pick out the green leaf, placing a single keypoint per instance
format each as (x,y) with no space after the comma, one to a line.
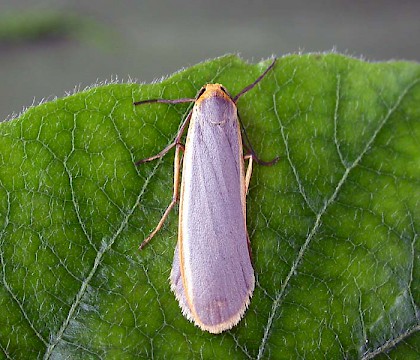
(333,225)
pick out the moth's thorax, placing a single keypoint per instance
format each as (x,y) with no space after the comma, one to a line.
(215,105)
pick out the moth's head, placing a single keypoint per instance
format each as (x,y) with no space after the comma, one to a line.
(210,90)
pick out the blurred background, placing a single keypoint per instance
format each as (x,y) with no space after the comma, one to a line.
(51,47)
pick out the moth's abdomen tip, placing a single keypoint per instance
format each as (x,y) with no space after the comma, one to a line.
(224,324)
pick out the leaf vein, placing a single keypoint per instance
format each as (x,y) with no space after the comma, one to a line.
(4,280)
(292,166)
(337,102)
(391,343)
(279,297)
(54,340)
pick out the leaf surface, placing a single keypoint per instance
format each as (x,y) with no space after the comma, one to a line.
(333,225)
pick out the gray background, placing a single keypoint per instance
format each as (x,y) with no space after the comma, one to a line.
(146,40)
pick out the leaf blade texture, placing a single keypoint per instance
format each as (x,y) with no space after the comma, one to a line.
(333,225)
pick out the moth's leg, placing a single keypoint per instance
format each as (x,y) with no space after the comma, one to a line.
(248,173)
(175,196)
(170,146)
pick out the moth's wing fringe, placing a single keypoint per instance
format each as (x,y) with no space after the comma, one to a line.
(228,324)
